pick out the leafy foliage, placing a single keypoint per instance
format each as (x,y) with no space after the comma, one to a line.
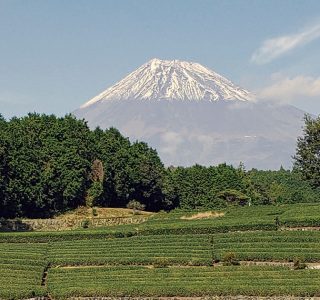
(307,158)
(282,186)
(230,259)
(49,165)
(48,162)
(199,186)
(135,205)
(298,264)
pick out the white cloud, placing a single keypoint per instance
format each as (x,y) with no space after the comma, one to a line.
(172,141)
(289,89)
(275,47)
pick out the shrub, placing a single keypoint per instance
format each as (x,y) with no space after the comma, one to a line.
(229,259)
(135,206)
(94,212)
(298,264)
(161,262)
(233,197)
(85,224)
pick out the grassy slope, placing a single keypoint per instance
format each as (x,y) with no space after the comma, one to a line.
(193,281)
(24,256)
(21,268)
(101,212)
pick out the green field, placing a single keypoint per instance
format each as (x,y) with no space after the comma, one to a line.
(190,281)
(21,269)
(139,250)
(269,246)
(167,256)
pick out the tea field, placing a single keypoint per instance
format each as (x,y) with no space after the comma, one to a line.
(21,270)
(172,254)
(190,281)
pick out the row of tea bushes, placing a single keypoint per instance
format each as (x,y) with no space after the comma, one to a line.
(269,246)
(143,250)
(189,281)
(21,270)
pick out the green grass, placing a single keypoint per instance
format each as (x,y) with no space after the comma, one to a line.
(175,281)
(21,269)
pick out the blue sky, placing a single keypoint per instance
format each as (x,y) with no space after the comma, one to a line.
(55,55)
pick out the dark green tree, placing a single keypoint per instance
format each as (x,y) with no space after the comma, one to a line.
(170,189)
(307,158)
(233,197)
(49,160)
(113,150)
(4,209)
(146,173)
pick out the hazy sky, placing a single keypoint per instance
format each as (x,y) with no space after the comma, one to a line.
(55,55)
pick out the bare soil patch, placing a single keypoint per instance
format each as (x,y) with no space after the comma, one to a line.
(203,215)
(314,228)
(100,212)
(239,297)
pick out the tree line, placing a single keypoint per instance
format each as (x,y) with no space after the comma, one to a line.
(51,164)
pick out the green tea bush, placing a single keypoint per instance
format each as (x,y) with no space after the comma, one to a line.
(230,259)
(21,268)
(137,250)
(94,212)
(134,281)
(161,262)
(85,224)
(272,245)
(298,264)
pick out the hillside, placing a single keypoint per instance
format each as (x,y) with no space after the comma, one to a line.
(252,251)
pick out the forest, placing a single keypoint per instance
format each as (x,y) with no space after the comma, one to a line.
(50,164)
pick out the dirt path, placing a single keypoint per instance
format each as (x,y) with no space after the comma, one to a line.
(314,265)
(240,297)
(45,276)
(315,228)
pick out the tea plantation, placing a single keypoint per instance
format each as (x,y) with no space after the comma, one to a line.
(274,251)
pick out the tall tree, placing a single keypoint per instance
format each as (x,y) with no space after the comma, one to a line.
(307,158)
(49,162)
(146,175)
(113,150)
(3,167)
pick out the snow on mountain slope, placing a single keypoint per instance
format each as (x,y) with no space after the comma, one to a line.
(173,80)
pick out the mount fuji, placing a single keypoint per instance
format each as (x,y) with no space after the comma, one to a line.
(191,114)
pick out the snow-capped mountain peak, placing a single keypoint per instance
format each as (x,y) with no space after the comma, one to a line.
(173,80)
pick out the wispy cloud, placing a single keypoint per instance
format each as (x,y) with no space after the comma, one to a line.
(287,89)
(275,47)
(172,141)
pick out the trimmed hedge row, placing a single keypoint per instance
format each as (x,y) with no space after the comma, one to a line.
(92,234)
(144,250)
(272,246)
(191,281)
(21,268)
